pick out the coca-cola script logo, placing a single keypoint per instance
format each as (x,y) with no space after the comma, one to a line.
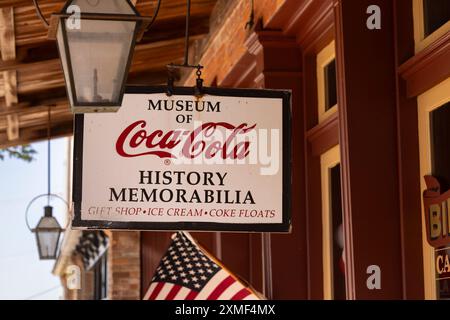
(137,140)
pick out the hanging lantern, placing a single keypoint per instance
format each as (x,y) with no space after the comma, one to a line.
(47,233)
(48,230)
(96,40)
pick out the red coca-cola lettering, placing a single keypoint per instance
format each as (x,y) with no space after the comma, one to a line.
(192,145)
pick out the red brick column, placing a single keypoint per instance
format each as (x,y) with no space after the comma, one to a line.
(124,265)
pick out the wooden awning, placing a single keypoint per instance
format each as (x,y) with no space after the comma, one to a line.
(31,78)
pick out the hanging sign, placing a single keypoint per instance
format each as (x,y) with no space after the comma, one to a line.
(219,162)
(437,213)
(442,263)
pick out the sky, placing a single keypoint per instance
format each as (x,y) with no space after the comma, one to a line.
(22,274)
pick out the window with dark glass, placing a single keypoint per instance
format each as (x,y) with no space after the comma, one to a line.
(440,163)
(330,85)
(440,144)
(436,14)
(100,270)
(338,234)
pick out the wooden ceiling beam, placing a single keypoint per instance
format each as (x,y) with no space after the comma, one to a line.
(7,34)
(26,3)
(37,115)
(26,108)
(175,28)
(10,87)
(12,126)
(157,39)
(36,134)
(31,31)
(48,75)
(148,78)
(8,52)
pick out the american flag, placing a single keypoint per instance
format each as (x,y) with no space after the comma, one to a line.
(188,272)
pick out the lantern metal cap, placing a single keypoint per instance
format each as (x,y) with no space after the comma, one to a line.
(48,211)
(143,22)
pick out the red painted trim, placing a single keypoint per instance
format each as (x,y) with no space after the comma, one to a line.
(428,67)
(345,167)
(324,136)
(408,160)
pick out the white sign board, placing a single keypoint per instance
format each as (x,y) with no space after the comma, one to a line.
(220,162)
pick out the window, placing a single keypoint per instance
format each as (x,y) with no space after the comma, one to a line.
(431,21)
(332,221)
(434,135)
(436,13)
(440,168)
(330,85)
(326,82)
(440,144)
(100,270)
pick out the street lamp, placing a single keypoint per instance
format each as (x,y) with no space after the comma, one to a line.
(96,40)
(47,233)
(48,230)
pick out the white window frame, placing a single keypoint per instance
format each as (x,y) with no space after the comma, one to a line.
(324,57)
(427,102)
(419,28)
(328,160)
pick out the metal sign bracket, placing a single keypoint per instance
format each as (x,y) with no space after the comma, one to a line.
(198,89)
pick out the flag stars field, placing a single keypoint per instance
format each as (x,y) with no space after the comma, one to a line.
(204,279)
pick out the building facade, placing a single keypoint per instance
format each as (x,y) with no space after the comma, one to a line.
(371,94)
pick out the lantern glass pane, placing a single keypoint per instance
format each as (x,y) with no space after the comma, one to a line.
(63,55)
(47,236)
(99,53)
(103,6)
(47,243)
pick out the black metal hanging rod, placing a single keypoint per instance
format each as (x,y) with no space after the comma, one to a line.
(49,158)
(40,15)
(171,67)
(251,19)
(186,44)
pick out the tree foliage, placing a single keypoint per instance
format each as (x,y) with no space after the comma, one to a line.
(25,153)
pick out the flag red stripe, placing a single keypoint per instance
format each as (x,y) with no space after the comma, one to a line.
(173,292)
(228,281)
(191,295)
(156,291)
(241,294)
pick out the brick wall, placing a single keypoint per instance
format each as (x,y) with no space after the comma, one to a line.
(87,292)
(226,43)
(124,265)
